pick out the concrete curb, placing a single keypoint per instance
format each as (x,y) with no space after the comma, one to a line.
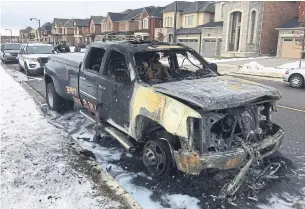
(101,176)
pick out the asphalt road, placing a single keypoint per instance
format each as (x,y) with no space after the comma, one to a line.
(290,115)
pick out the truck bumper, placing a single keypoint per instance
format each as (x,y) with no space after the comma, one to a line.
(193,162)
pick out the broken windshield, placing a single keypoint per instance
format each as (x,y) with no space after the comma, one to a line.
(165,66)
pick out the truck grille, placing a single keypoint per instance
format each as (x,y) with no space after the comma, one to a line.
(43,60)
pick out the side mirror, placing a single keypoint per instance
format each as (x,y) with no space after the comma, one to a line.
(213,67)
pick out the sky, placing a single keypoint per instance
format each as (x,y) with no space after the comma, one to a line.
(15,15)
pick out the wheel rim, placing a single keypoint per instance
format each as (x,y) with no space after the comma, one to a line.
(154,158)
(295,81)
(50,98)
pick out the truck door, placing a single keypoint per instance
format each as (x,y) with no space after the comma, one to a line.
(88,77)
(115,89)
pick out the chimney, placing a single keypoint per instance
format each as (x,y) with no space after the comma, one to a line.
(302,12)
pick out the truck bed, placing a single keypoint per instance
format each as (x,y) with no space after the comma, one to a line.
(73,58)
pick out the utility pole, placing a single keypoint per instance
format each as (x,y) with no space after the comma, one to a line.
(11,34)
(175,22)
(303,45)
(38,20)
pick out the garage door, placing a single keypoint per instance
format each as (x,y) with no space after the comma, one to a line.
(291,47)
(209,47)
(192,43)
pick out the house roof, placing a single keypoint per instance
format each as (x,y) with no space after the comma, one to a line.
(212,24)
(46,26)
(97,19)
(69,23)
(132,13)
(181,6)
(200,6)
(293,23)
(27,30)
(154,11)
(81,22)
(116,16)
(183,31)
(59,22)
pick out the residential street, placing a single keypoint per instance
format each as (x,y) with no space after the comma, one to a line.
(287,192)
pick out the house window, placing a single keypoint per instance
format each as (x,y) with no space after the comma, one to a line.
(145,23)
(252,25)
(168,21)
(189,20)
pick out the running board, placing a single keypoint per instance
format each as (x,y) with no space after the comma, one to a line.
(122,138)
(87,116)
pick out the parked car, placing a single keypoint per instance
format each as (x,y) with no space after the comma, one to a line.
(171,100)
(296,77)
(9,52)
(33,56)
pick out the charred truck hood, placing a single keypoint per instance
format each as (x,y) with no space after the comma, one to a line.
(217,93)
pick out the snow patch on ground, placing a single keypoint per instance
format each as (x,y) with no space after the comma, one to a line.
(181,201)
(253,68)
(285,202)
(36,170)
(292,65)
(215,60)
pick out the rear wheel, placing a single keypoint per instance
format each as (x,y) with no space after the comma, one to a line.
(56,102)
(296,81)
(157,156)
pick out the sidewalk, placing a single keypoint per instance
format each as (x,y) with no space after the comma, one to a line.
(38,167)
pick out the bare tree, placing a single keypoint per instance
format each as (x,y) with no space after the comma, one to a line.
(160,36)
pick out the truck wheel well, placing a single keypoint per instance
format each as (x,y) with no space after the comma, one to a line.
(146,126)
(48,79)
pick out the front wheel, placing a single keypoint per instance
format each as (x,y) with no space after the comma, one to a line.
(296,81)
(26,69)
(157,157)
(55,101)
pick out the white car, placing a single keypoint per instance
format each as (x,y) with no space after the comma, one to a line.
(33,56)
(296,77)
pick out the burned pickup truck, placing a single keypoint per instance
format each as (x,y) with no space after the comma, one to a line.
(169,99)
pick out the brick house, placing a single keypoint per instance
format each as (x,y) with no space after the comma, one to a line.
(291,34)
(95,28)
(46,32)
(81,30)
(121,26)
(150,19)
(73,31)
(59,30)
(248,27)
(189,16)
(27,35)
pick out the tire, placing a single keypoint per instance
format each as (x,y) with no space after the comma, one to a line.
(20,68)
(296,81)
(56,102)
(26,70)
(157,157)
